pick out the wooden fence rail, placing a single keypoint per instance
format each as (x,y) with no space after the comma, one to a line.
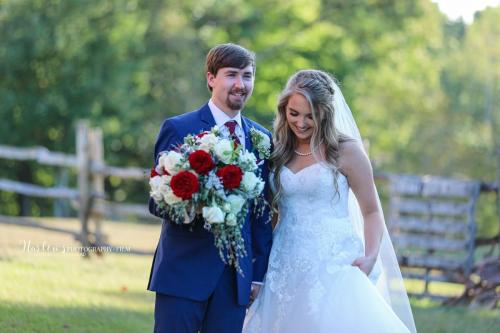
(37,191)
(39,154)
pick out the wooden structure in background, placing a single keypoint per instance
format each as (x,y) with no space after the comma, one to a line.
(433,228)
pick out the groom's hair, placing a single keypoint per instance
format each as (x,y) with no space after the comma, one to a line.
(228,55)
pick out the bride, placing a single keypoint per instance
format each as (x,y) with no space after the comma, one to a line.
(332,266)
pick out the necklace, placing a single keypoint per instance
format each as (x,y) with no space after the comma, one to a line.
(302,154)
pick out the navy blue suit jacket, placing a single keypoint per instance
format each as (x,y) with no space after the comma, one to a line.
(186,262)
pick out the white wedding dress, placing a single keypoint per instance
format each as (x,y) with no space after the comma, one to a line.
(310,285)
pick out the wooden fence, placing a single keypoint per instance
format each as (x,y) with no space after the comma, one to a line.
(89,197)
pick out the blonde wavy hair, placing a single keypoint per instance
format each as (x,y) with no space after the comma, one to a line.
(318,89)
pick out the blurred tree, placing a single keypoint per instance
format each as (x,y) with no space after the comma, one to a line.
(471,82)
(121,64)
(397,101)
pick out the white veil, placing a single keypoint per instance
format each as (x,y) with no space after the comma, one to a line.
(386,274)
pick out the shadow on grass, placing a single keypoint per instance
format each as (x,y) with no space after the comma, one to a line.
(145,296)
(19,317)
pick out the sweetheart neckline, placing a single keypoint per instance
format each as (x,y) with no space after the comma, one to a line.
(304,168)
(308,167)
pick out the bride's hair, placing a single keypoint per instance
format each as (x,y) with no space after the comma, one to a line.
(318,89)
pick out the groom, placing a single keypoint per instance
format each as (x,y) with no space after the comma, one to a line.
(195,290)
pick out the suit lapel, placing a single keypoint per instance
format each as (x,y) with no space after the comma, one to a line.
(206,118)
(246,130)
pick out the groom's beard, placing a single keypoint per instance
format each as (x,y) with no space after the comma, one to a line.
(237,105)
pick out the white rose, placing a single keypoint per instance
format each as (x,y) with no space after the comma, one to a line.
(159,170)
(171,162)
(224,150)
(169,196)
(231,219)
(156,195)
(166,179)
(236,203)
(160,183)
(213,214)
(207,142)
(155,183)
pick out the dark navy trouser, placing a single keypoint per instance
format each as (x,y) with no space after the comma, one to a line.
(221,313)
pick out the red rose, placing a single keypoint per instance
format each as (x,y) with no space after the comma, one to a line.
(202,134)
(184,184)
(230,176)
(201,162)
(153,172)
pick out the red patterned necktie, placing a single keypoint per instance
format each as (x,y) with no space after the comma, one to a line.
(231,126)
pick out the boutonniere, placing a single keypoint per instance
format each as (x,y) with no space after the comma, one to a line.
(261,143)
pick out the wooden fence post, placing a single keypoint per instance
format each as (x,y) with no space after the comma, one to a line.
(97,185)
(83,170)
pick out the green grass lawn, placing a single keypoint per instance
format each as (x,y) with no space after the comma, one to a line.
(50,291)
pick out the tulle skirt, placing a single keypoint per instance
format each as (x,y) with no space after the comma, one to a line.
(342,300)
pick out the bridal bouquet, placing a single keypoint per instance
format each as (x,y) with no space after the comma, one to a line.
(215,177)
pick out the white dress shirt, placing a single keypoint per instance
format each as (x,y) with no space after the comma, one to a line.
(221,118)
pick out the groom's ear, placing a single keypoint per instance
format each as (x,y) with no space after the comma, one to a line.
(210,80)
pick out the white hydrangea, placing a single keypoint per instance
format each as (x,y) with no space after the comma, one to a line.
(248,161)
(266,142)
(261,142)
